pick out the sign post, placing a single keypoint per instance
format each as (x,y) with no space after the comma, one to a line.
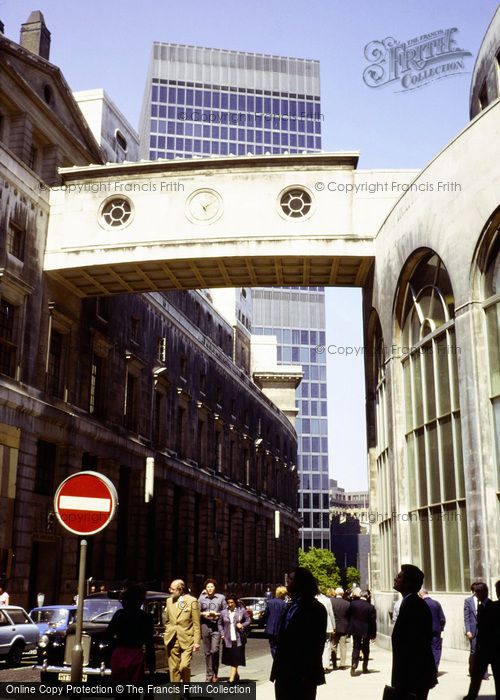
(84,504)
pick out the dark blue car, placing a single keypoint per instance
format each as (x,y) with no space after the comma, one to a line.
(53,618)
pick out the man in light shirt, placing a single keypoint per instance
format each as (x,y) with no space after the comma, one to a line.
(182,631)
(4,597)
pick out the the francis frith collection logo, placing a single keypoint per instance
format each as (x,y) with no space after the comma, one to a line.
(414,63)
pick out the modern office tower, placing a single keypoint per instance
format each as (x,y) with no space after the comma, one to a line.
(211,102)
(296,316)
(204,102)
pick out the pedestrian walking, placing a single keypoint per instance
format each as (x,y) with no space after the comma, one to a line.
(487,649)
(275,608)
(413,667)
(298,667)
(211,606)
(438,624)
(132,629)
(182,631)
(340,608)
(234,623)
(362,626)
(470,624)
(330,628)
(4,597)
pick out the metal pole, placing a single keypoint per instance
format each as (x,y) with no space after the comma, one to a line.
(77,653)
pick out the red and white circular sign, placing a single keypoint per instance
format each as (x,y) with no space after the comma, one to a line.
(85,503)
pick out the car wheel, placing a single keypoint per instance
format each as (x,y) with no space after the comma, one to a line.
(15,655)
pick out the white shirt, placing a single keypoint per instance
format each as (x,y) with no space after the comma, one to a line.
(4,598)
(232,615)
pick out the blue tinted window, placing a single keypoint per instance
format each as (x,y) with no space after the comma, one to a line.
(179,128)
(154,93)
(189,97)
(322,337)
(250,134)
(179,144)
(241,103)
(259,103)
(295,354)
(181,96)
(267,105)
(302,141)
(293,139)
(310,142)
(197,129)
(188,129)
(223,132)
(206,131)
(152,141)
(224,100)
(324,444)
(258,150)
(306,426)
(241,149)
(276,106)
(215,148)
(317,127)
(153,125)
(306,444)
(206,146)
(250,103)
(224,149)
(163,94)
(161,142)
(170,142)
(258,121)
(241,134)
(233,102)
(188,144)
(310,127)
(258,136)
(171,95)
(317,142)
(284,139)
(284,107)
(154,110)
(215,132)
(162,126)
(315,445)
(232,134)
(170,127)
(276,138)
(216,99)
(207,101)
(198,98)
(197,146)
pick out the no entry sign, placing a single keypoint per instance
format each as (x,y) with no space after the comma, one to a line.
(85,503)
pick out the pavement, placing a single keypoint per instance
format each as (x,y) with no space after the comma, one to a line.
(453,681)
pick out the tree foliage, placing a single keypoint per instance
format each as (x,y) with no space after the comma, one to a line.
(352,576)
(321,563)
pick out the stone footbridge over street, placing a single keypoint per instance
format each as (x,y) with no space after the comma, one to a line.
(225,222)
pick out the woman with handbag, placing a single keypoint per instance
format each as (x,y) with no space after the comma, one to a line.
(234,623)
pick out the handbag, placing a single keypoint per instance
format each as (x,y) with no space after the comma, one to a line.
(391,693)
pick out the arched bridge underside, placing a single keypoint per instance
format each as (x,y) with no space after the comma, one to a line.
(253,221)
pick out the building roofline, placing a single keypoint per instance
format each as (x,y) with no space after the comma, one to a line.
(234,51)
(348,159)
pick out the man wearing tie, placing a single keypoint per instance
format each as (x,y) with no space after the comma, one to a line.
(182,631)
(487,649)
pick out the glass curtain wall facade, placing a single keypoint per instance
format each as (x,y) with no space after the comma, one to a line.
(296,316)
(211,102)
(204,102)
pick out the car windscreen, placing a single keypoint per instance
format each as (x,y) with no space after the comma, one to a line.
(100,609)
(57,617)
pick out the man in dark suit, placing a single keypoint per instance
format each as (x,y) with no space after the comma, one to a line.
(298,666)
(362,627)
(340,609)
(470,624)
(272,617)
(413,667)
(438,623)
(487,642)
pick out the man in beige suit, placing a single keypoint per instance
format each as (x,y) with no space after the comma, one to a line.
(182,631)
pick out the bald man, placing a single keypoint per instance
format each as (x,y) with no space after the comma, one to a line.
(182,631)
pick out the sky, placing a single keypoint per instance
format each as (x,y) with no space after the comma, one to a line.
(108,45)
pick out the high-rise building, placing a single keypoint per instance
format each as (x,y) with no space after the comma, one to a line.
(212,102)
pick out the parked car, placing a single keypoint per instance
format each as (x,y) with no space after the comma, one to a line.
(18,634)
(54,650)
(53,619)
(256,608)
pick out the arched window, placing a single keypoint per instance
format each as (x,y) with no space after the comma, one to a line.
(385,503)
(491,296)
(435,487)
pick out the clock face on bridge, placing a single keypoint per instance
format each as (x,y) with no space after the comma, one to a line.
(204,206)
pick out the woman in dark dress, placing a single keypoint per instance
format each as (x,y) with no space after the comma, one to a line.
(233,625)
(132,629)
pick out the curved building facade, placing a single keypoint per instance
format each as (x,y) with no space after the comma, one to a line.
(431,320)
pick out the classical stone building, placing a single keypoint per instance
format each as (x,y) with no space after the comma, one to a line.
(431,320)
(142,388)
